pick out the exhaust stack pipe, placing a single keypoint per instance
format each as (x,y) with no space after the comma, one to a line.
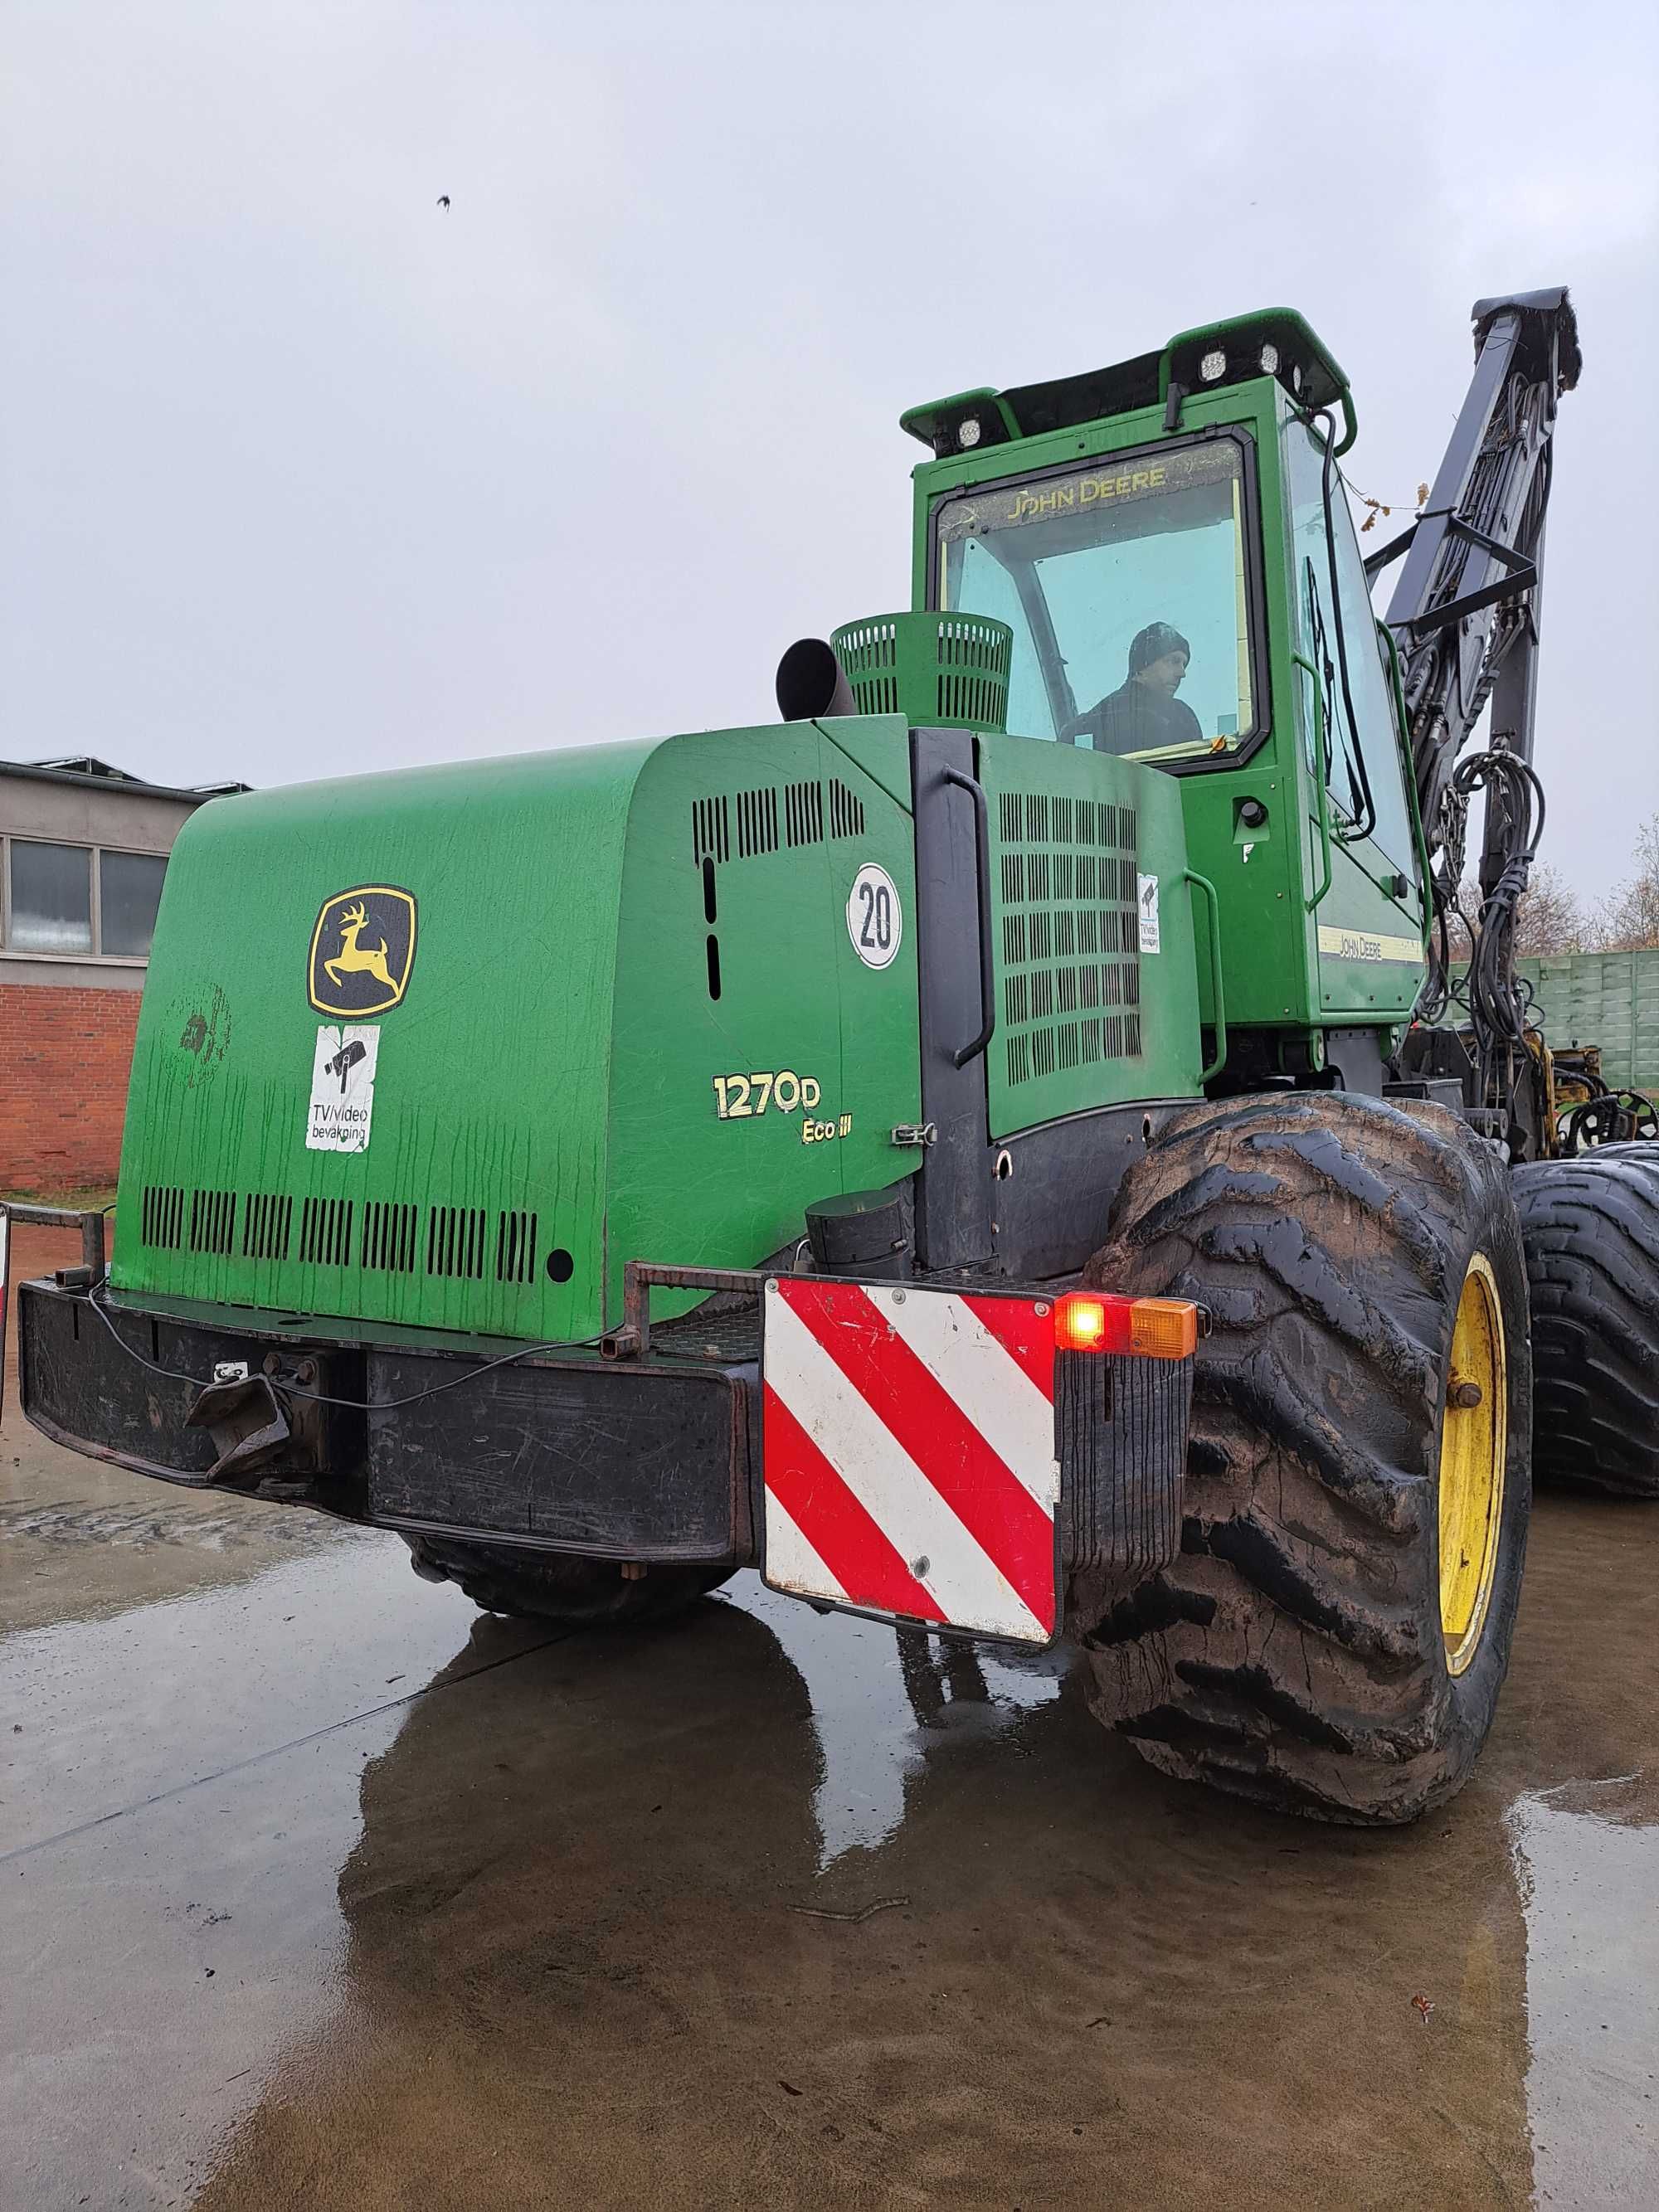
(812,682)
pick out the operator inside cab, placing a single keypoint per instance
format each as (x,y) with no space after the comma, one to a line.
(1143,714)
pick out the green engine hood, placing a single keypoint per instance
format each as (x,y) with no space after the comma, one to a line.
(442,1049)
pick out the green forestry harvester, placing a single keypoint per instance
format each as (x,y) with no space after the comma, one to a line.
(1006,1150)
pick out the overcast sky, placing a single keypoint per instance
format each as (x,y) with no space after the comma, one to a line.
(304,474)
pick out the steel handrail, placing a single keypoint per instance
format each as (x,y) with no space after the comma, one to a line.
(1219,1002)
(1320,792)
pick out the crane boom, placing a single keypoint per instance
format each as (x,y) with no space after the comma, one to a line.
(1465,609)
(1465,615)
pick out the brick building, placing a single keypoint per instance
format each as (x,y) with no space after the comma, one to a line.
(84,848)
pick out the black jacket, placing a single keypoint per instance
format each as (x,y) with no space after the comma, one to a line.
(1135,719)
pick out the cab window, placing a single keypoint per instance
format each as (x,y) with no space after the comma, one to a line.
(1127,585)
(1363,772)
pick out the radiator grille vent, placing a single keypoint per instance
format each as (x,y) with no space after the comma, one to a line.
(804,807)
(1068,875)
(212,1221)
(515,1248)
(462,1241)
(163,1217)
(846,811)
(1035,817)
(711,832)
(267,1223)
(388,1242)
(757,822)
(325,1232)
(803,814)
(455,1241)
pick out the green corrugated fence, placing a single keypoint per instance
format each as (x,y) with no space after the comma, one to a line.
(1609,999)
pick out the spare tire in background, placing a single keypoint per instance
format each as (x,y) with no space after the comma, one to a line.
(1332,1638)
(559,1586)
(1590,1227)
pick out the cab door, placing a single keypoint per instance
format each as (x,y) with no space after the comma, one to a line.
(1364,887)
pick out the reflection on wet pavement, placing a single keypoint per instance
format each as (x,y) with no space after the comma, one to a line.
(322,1890)
(180,1790)
(154,1700)
(882,1702)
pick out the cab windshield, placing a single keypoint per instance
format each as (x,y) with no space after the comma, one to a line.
(1124,584)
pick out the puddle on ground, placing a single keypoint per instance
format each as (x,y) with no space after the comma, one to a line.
(96,1715)
(434,1939)
(177,1795)
(885,1700)
(1587,1865)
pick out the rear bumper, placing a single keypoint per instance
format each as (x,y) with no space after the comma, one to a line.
(654,1461)
(654,1458)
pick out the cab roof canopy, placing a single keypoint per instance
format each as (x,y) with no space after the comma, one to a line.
(1274,342)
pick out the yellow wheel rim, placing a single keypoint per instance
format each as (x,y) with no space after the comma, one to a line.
(1474,1439)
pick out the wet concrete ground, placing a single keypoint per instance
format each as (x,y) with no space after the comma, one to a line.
(322,1890)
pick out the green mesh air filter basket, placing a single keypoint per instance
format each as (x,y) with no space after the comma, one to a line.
(936,670)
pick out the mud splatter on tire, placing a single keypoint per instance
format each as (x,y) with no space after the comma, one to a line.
(1293,1653)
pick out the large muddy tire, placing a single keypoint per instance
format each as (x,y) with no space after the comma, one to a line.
(1300,1651)
(553,1586)
(1591,1227)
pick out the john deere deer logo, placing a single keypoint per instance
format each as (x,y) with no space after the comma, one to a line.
(361,950)
(352,959)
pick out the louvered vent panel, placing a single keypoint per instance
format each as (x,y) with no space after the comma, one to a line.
(162,1217)
(325,1232)
(456,1242)
(267,1223)
(515,1248)
(388,1240)
(802,819)
(757,822)
(711,830)
(1068,875)
(868,653)
(212,1221)
(846,811)
(803,814)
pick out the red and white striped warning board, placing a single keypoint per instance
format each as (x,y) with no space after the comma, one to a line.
(908,1453)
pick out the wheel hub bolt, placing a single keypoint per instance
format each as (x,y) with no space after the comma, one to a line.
(1466,1396)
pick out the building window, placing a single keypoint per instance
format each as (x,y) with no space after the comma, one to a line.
(129,892)
(79,901)
(51,898)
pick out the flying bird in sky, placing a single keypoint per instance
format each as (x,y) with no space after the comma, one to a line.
(443,199)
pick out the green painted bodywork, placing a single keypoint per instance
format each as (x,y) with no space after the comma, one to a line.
(555,1049)
(1087,1013)
(1306,948)
(794,998)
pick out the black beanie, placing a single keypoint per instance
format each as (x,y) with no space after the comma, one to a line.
(1151,644)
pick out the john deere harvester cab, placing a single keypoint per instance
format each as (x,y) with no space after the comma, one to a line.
(1168,546)
(973,1149)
